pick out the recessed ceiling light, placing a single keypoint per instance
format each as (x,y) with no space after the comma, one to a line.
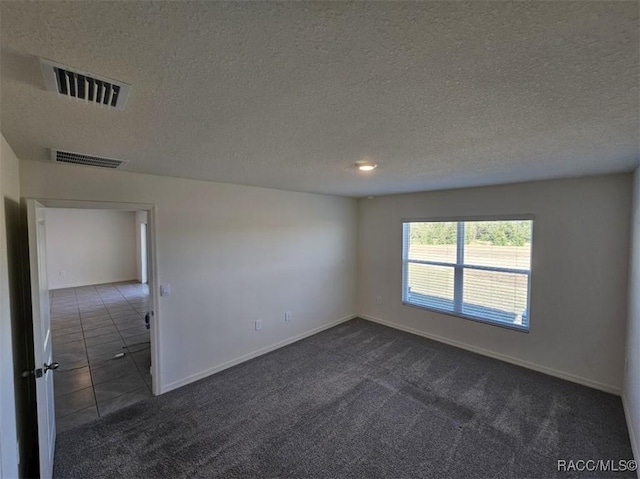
(367,166)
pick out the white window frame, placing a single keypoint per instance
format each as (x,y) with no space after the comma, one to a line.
(459,266)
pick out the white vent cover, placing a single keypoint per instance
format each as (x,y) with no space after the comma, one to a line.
(85,86)
(60,156)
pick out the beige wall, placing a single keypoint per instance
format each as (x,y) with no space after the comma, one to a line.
(90,247)
(579,273)
(232,254)
(631,392)
(10,194)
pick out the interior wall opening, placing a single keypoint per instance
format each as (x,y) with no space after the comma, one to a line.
(100,308)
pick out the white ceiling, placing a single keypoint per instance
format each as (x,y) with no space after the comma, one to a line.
(291,95)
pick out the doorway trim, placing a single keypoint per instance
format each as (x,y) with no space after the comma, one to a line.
(152,265)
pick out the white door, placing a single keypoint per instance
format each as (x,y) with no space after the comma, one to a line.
(42,351)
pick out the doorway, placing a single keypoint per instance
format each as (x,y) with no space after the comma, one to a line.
(104,334)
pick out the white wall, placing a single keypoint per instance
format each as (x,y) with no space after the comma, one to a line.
(9,190)
(90,247)
(232,254)
(579,273)
(631,392)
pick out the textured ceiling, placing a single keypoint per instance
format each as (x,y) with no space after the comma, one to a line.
(291,95)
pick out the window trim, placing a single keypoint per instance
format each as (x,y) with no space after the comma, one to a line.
(460,266)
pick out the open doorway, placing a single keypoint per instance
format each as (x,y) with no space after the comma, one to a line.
(101,309)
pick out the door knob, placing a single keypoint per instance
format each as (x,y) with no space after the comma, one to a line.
(51,366)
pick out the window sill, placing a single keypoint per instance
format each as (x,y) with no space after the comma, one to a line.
(515,327)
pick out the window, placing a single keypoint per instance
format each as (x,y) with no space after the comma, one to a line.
(479,270)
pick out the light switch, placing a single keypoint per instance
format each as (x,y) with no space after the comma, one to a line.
(165,289)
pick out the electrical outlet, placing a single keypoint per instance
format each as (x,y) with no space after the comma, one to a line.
(287,316)
(258,324)
(378,299)
(62,273)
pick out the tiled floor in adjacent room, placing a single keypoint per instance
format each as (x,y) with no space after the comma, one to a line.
(90,325)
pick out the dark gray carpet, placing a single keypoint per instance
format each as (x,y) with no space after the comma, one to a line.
(359,400)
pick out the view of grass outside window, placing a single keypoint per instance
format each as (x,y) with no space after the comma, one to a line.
(475,269)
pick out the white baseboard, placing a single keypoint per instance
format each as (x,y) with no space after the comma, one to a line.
(248,356)
(502,357)
(632,434)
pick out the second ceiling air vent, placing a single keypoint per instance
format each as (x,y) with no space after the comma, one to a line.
(60,156)
(92,88)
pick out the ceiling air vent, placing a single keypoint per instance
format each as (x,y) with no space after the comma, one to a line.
(84,86)
(87,160)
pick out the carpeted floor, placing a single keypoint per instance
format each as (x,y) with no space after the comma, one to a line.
(360,401)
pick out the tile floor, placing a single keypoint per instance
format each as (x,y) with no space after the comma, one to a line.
(89,326)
